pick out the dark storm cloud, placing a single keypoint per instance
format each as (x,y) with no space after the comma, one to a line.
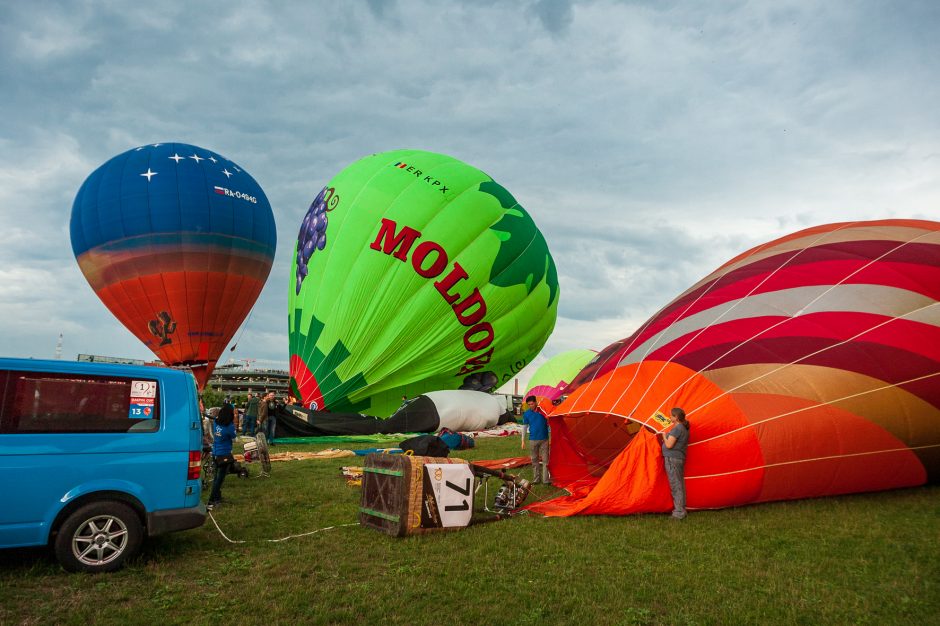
(555,15)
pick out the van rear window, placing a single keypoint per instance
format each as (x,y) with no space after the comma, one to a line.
(35,402)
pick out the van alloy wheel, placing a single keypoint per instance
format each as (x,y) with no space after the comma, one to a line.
(99,537)
(99,540)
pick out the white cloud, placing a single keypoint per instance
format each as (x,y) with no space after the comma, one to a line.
(650,141)
(52,37)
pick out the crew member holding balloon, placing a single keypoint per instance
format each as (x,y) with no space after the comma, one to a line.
(675,442)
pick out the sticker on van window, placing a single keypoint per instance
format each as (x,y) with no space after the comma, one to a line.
(143,397)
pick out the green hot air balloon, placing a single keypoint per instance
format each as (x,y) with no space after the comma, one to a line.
(414,272)
(554,375)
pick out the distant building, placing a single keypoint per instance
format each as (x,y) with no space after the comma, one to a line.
(238,380)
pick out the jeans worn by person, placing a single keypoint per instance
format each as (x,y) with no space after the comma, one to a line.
(270,428)
(675,471)
(222,465)
(538,451)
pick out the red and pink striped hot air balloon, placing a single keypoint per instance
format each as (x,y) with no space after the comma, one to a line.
(808,366)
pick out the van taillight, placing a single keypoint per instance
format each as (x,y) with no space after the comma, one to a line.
(195,465)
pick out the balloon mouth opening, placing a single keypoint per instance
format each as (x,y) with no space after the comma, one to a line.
(200,370)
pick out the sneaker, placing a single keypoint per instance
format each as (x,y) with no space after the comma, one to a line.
(212,505)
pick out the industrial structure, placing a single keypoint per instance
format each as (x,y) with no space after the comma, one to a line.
(237,380)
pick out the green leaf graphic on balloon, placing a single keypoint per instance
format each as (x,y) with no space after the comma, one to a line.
(326,365)
(523,257)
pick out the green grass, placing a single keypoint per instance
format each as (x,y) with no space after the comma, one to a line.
(870,558)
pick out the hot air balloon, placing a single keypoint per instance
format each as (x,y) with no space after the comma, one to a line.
(414,272)
(177,241)
(808,366)
(551,379)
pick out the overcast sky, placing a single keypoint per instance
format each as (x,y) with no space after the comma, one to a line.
(650,141)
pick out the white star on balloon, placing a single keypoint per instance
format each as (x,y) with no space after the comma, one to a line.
(213,159)
(227,173)
(197,157)
(236,169)
(177,158)
(149,174)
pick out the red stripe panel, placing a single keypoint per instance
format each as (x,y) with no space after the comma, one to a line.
(915,337)
(922,279)
(887,363)
(852,256)
(846,228)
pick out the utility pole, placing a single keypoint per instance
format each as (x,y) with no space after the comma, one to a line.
(58,348)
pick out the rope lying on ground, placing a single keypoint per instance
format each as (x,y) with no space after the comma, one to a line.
(312,532)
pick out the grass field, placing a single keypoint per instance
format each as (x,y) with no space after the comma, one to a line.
(871,558)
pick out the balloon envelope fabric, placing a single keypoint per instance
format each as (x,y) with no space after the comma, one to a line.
(177,241)
(414,272)
(808,366)
(553,376)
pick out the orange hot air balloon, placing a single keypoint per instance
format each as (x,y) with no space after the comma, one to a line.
(808,366)
(177,241)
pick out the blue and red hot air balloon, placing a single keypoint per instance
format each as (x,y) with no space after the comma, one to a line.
(177,241)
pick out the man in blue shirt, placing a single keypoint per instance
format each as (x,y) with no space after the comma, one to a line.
(535,422)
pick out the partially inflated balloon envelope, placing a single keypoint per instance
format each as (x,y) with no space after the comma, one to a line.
(414,272)
(808,366)
(177,241)
(551,379)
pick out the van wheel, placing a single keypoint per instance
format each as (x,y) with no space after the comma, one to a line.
(98,537)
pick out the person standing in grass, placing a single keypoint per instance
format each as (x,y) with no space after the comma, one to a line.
(675,442)
(223,431)
(267,420)
(535,423)
(251,416)
(263,413)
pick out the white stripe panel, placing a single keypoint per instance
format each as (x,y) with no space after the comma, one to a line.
(875,299)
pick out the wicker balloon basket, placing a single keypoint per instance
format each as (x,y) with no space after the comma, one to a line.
(394,499)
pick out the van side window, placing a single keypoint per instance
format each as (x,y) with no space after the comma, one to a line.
(40,402)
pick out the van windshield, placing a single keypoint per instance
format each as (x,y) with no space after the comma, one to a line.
(39,402)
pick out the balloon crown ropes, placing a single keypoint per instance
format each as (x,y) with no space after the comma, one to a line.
(177,241)
(414,271)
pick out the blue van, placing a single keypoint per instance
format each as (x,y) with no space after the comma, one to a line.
(94,456)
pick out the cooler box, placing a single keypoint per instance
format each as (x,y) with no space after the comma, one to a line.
(409,495)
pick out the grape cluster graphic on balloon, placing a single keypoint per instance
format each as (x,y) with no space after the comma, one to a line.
(312,235)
